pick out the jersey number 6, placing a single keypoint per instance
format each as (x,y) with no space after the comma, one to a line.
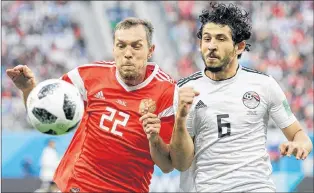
(115,123)
(221,125)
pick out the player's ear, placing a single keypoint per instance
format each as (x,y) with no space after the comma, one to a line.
(240,47)
(151,51)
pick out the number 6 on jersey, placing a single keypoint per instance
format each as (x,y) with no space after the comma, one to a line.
(115,123)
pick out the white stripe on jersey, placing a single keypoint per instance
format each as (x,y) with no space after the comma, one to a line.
(167,112)
(167,77)
(159,78)
(77,81)
(162,76)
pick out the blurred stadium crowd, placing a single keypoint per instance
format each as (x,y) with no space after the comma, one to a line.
(46,36)
(43,35)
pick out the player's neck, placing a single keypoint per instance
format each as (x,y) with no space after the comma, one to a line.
(226,73)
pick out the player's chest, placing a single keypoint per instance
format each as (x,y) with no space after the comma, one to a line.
(218,111)
(113,97)
(116,113)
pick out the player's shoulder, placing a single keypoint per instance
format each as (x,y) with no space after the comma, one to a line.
(190,79)
(252,75)
(161,76)
(254,72)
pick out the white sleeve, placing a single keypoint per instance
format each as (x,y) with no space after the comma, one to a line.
(190,117)
(190,122)
(279,108)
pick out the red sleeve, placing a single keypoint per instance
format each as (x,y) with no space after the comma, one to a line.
(166,113)
(167,124)
(66,78)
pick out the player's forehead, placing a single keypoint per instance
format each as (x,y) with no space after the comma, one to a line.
(131,35)
(213,29)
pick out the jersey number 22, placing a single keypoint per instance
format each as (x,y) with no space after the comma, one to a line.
(116,121)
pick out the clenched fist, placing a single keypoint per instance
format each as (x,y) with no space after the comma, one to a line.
(22,77)
(151,125)
(290,147)
(186,97)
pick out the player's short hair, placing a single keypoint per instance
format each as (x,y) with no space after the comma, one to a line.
(230,15)
(133,22)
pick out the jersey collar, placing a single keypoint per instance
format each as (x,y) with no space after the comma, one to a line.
(141,85)
(231,79)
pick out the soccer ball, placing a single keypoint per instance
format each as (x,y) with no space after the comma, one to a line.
(55,107)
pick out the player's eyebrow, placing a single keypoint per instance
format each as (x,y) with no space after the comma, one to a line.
(136,41)
(219,34)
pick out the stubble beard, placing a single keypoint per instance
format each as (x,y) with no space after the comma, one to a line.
(223,64)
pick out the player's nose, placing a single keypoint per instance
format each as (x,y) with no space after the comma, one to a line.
(212,46)
(128,54)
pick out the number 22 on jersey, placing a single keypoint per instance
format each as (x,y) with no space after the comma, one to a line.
(123,121)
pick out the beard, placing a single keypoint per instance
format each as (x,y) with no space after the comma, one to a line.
(128,75)
(131,73)
(222,63)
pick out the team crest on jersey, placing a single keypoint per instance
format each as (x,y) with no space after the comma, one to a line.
(147,105)
(251,99)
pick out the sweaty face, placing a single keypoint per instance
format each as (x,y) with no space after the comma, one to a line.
(131,52)
(217,46)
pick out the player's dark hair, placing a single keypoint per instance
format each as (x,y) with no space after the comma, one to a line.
(133,22)
(230,15)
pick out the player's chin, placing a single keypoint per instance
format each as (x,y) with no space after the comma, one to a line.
(212,61)
(129,75)
(213,64)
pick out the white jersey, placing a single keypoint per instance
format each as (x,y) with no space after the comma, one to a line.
(228,121)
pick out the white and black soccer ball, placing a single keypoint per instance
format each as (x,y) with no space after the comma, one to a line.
(55,107)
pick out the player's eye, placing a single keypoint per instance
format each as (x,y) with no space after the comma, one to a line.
(206,39)
(221,38)
(120,45)
(137,46)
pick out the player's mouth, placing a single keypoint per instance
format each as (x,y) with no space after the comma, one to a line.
(128,65)
(212,57)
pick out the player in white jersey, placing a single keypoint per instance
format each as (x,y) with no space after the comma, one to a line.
(223,112)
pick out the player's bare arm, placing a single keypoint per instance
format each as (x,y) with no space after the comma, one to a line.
(181,145)
(158,149)
(23,78)
(298,144)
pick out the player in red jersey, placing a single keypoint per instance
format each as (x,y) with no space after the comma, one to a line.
(110,151)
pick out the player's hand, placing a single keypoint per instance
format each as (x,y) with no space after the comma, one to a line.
(292,148)
(22,77)
(186,97)
(151,125)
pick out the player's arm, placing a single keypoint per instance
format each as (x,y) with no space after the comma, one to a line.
(23,78)
(298,144)
(159,150)
(181,145)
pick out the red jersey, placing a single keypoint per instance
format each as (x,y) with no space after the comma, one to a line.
(110,151)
